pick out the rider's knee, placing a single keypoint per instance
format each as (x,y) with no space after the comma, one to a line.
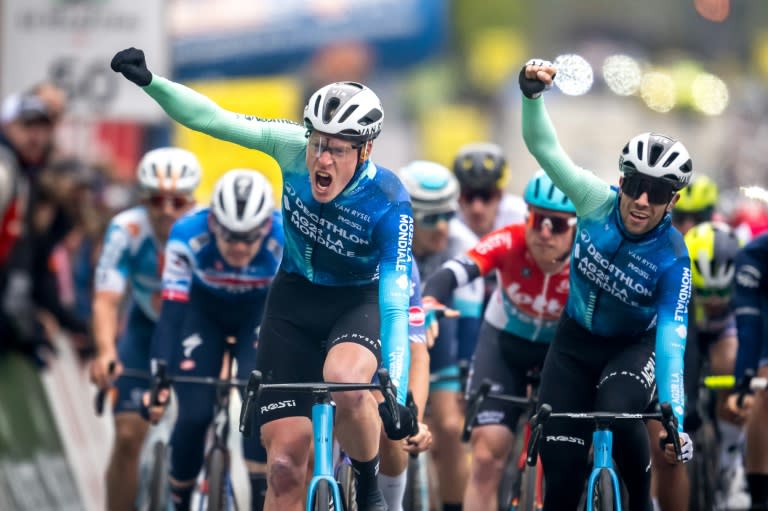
(285,476)
(448,425)
(129,436)
(487,463)
(350,401)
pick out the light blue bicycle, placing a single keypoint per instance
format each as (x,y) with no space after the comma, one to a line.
(603,486)
(326,492)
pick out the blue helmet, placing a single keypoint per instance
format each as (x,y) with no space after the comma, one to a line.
(432,187)
(542,193)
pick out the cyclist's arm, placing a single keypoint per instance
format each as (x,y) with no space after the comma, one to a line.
(586,191)
(282,140)
(394,283)
(488,254)
(110,283)
(177,281)
(749,308)
(419,372)
(674,292)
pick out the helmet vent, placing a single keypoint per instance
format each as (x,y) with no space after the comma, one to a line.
(183,171)
(330,109)
(372,116)
(654,154)
(687,166)
(640,147)
(317,106)
(347,113)
(671,159)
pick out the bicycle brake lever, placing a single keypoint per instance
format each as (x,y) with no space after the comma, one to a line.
(390,395)
(743,387)
(669,421)
(537,426)
(246,411)
(159,381)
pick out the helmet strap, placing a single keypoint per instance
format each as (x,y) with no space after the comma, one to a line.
(364,151)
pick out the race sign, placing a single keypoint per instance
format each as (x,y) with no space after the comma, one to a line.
(71,42)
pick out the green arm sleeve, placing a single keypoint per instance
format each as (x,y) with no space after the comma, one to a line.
(280,139)
(586,190)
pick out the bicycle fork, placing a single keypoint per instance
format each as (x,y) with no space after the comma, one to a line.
(602,442)
(322,426)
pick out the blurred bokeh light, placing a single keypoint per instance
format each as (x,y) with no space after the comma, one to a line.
(574,74)
(622,74)
(657,89)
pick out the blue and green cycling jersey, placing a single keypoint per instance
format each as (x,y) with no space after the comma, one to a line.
(362,235)
(621,285)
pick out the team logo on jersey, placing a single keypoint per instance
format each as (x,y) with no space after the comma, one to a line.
(416,316)
(403,282)
(190,343)
(682,331)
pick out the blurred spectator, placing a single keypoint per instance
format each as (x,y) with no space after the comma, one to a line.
(749,218)
(27,124)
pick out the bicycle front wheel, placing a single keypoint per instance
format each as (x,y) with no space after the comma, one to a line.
(528,480)
(602,493)
(346,478)
(217,481)
(158,482)
(322,500)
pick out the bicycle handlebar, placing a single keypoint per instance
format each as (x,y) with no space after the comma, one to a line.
(477,398)
(254,388)
(665,416)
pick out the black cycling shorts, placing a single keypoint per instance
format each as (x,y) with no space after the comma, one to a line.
(504,359)
(302,321)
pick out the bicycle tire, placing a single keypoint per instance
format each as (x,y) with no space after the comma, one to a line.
(509,486)
(703,468)
(416,497)
(602,493)
(527,500)
(217,480)
(346,479)
(322,500)
(158,478)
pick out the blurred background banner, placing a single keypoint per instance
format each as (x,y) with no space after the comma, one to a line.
(231,37)
(71,43)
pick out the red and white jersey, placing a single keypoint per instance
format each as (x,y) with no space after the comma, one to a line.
(527,302)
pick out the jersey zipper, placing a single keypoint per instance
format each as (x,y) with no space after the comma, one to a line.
(311,254)
(594,297)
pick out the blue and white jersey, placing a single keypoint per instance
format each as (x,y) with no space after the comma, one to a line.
(132,256)
(750,305)
(192,259)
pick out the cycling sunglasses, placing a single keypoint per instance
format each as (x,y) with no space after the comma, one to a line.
(555,224)
(432,219)
(158,200)
(247,237)
(708,293)
(485,196)
(659,190)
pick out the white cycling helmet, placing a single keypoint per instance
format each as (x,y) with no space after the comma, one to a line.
(432,187)
(348,110)
(242,200)
(657,156)
(169,169)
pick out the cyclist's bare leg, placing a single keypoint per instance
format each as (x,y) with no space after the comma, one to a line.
(288,444)
(448,453)
(357,416)
(123,470)
(491,448)
(671,482)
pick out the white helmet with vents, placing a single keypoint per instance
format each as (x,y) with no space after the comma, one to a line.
(347,110)
(169,169)
(657,156)
(242,201)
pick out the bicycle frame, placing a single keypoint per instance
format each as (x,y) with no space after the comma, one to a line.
(322,432)
(602,446)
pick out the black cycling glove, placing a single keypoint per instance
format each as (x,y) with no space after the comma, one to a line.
(409,426)
(532,87)
(131,64)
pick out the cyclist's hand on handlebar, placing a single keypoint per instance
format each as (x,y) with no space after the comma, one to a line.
(535,77)
(733,409)
(408,424)
(419,442)
(686,446)
(434,310)
(130,62)
(156,412)
(105,369)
